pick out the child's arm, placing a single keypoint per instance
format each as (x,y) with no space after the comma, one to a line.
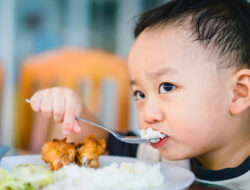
(63,104)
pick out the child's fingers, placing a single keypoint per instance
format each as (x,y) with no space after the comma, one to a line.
(76,127)
(69,118)
(35,101)
(58,106)
(46,104)
(66,132)
(68,124)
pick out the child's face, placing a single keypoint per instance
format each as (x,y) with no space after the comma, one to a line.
(180,92)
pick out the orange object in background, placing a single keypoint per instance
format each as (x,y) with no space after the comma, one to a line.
(68,68)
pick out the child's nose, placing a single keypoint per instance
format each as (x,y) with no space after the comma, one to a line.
(153,112)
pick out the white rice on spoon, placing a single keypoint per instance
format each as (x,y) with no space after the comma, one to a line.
(149,133)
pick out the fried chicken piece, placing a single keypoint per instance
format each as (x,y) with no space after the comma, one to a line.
(87,154)
(58,153)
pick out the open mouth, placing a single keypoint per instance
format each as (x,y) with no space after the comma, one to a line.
(160,142)
(157,138)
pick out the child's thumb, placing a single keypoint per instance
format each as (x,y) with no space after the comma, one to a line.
(76,127)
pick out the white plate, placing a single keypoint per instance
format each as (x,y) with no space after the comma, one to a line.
(176,178)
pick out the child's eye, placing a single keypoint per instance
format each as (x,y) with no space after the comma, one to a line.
(138,95)
(166,87)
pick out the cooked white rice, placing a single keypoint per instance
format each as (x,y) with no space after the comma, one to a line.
(127,176)
(150,133)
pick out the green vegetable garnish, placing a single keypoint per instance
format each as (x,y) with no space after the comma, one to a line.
(25,177)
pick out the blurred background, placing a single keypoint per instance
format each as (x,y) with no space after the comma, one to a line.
(29,28)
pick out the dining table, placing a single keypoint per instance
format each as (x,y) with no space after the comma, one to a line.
(11,151)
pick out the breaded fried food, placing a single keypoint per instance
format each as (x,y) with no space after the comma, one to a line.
(87,154)
(58,153)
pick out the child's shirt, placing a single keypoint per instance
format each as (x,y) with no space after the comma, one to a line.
(233,178)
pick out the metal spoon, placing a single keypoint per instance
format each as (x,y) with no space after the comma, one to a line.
(127,139)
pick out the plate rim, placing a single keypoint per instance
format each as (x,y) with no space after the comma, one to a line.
(118,159)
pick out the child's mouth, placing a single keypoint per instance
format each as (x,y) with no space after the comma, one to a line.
(160,143)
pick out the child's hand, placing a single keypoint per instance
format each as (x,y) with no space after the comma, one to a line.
(63,104)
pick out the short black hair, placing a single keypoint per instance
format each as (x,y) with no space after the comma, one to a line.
(224,24)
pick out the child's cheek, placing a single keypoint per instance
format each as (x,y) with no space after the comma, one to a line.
(185,125)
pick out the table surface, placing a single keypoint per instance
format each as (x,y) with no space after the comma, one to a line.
(4,151)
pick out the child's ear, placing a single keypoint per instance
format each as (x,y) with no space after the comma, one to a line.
(241,91)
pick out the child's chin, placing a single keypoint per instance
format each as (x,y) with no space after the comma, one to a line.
(172,156)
